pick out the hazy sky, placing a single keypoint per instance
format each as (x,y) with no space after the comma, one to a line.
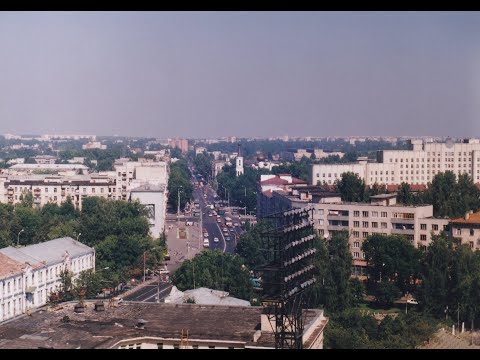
(211,74)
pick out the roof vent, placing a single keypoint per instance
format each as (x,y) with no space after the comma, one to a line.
(79,308)
(99,306)
(141,324)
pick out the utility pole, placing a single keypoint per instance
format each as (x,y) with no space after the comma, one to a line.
(144,269)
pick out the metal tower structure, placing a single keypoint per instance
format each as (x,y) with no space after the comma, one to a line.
(289,251)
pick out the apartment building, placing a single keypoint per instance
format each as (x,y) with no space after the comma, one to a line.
(381,216)
(29,274)
(45,159)
(55,189)
(181,144)
(143,171)
(467,229)
(416,166)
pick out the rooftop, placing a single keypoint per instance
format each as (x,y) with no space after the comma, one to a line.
(9,267)
(105,329)
(49,166)
(47,252)
(472,219)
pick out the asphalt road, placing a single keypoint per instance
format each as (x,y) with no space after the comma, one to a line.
(149,293)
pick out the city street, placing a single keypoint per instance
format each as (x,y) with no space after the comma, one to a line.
(149,292)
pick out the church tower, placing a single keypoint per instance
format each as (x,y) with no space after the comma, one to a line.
(239,163)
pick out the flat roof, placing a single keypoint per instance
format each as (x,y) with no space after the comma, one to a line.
(104,329)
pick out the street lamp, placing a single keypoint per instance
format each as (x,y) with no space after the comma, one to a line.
(18,236)
(77,235)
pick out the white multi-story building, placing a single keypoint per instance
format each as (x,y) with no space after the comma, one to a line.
(56,189)
(28,275)
(381,216)
(416,166)
(94,145)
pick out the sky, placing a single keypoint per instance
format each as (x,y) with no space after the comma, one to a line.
(245,74)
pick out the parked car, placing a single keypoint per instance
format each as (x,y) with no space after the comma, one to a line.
(215,239)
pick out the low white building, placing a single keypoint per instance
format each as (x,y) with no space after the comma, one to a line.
(29,274)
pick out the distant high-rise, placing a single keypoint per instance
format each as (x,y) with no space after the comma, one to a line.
(181,144)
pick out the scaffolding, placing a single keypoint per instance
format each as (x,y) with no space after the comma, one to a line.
(288,248)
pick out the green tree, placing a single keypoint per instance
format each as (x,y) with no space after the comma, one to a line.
(392,258)
(337,281)
(351,187)
(215,270)
(404,195)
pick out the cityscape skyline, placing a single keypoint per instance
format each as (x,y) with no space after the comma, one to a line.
(246,74)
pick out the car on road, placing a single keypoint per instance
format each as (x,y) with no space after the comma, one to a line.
(219,220)
(206,243)
(210,214)
(236,224)
(215,239)
(227,238)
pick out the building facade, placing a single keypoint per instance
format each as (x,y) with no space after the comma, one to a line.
(29,274)
(381,216)
(181,144)
(416,166)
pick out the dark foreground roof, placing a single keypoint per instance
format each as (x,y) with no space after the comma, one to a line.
(91,329)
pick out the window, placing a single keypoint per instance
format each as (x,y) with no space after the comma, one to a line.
(356,224)
(320,222)
(423,226)
(93,190)
(383,225)
(365,234)
(384,214)
(84,190)
(471,244)
(46,190)
(320,211)
(423,237)
(472,232)
(458,231)
(374,213)
(356,234)
(374,224)
(356,255)
(365,213)
(365,224)
(356,244)
(101,190)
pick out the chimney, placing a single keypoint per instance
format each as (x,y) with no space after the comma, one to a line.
(467,216)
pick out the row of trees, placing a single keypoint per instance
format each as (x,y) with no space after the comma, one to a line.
(179,183)
(449,195)
(118,231)
(445,276)
(203,165)
(215,270)
(241,190)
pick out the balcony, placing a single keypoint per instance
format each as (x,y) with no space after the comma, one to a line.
(337,227)
(402,221)
(403,231)
(338,217)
